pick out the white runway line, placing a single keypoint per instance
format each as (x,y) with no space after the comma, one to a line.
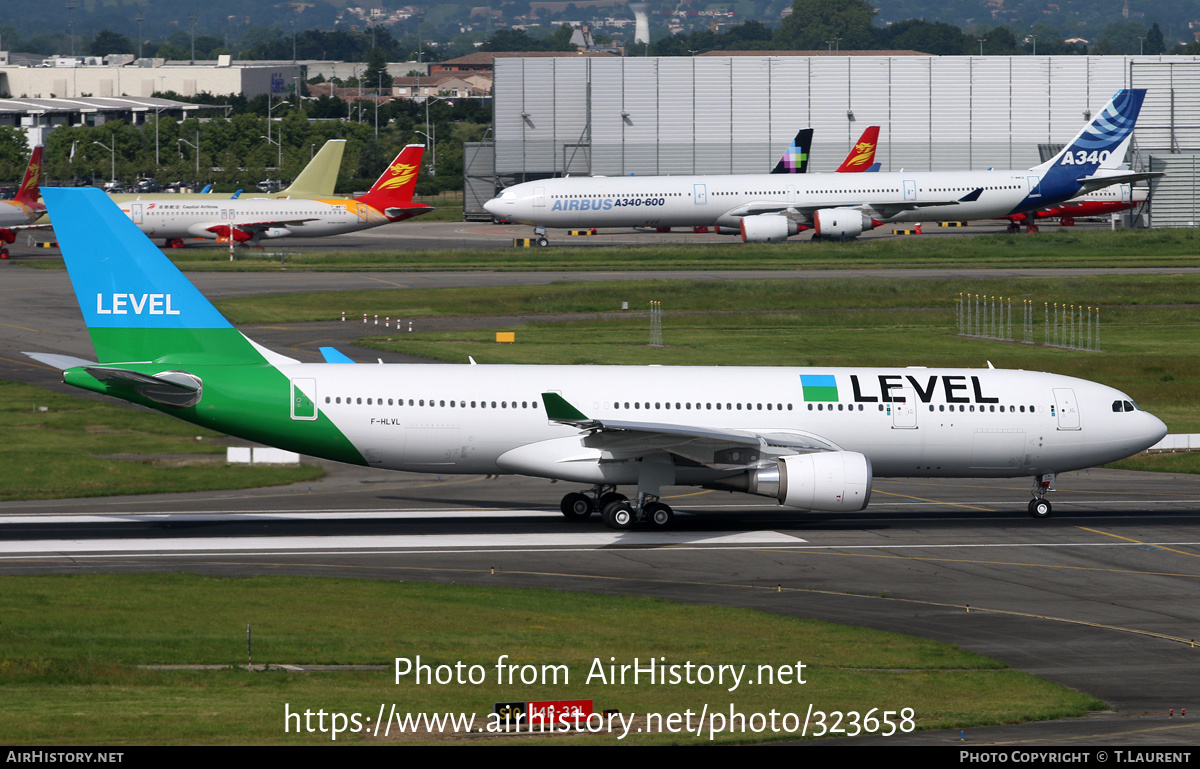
(160,546)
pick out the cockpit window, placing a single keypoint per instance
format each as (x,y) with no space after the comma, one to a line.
(1119,406)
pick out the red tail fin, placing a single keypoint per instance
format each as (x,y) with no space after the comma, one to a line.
(395,187)
(27,193)
(862,155)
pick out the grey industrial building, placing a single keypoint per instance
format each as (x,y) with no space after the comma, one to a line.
(736,113)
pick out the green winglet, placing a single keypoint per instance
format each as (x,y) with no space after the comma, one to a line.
(559,410)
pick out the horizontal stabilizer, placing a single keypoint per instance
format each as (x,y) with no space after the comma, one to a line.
(125,376)
(60,362)
(331,355)
(170,388)
(1103,179)
(393,211)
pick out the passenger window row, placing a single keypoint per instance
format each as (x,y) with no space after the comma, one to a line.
(431,403)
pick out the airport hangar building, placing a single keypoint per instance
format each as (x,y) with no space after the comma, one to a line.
(729,113)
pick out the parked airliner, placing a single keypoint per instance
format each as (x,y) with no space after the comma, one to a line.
(254,219)
(771,208)
(24,209)
(812,438)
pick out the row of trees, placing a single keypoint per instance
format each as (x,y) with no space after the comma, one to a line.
(851,25)
(235,153)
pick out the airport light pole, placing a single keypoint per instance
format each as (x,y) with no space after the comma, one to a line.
(196,147)
(432,143)
(112,149)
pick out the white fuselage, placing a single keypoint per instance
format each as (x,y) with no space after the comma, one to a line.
(685,201)
(908,422)
(212,218)
(14,214)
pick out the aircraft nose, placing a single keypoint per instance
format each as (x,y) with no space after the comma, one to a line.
(1155,429)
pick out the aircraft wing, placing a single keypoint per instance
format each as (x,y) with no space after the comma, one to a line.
(724,449)
(880,210)
(262,226)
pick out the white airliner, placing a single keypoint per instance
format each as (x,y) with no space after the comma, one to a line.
(771,208)
(254,219)
(812,438)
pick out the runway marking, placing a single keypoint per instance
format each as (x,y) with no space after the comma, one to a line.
(934,501)
(421,542)
(388,282)
(23,328)
(1129,539)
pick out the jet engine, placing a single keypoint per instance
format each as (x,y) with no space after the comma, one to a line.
(841,223)
(832,481)
(767,228)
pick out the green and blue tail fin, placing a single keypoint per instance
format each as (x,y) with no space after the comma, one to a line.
(138,307)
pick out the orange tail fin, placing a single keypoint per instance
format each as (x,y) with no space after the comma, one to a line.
(27,193)
(863,153)
(395,187)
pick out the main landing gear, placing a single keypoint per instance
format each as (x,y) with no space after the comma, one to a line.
(616,509)
(1039,506)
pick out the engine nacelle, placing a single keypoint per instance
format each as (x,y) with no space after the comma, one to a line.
(767,228)
(841,223)
(831,481)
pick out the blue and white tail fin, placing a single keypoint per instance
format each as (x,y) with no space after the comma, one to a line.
(1101,145)
(1102,142)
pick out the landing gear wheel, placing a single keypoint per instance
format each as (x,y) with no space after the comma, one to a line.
(660,516)
(608,498)
(1039,508)
(619,515)
(542,242)
(3,253)
(576,506)
(1031,229)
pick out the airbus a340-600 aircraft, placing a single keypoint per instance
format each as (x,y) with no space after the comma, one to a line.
(812,438)
(255,219)
(771,208)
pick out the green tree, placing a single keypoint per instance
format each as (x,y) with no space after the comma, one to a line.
(1155,44)
(376,76)
(814,23)
(107,41)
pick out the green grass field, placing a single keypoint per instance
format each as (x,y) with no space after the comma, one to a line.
(59,446)
(70,647)
(1062,247)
